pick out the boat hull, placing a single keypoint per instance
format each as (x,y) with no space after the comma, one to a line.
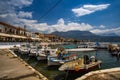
(84,69)
(50,63)
(24,52)
(32,54)
(41,58)
(115,54)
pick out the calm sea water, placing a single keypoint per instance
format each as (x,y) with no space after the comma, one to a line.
(52,73)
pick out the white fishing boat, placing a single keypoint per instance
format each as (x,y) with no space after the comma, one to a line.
(24,50)
(33,51)
(44,53)
(80,65)
(81,49)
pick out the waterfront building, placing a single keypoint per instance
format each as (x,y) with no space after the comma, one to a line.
(54,38)
(40,35)
(8,29)
(51,37)
(69,40)
(9,33)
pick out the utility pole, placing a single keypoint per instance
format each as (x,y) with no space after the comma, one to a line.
(25,33)
(24,30)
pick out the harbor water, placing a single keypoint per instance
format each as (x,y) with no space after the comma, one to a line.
(52,72)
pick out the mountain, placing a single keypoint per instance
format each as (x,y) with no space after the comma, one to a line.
(108,34)
(74,34)
(86,35)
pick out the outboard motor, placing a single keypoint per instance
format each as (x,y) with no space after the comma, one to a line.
(92,58)
(86,59)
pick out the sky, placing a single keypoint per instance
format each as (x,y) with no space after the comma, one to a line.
(46,16)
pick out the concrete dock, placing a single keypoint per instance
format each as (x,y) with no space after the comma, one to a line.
(107,74)
(14,68)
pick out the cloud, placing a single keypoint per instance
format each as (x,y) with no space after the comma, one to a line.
(60,26)
(8,6)
(20,3)
(23,14)
(88,9)
(10,11)
(101,26)
(12,14)
(108,31)
(60,21)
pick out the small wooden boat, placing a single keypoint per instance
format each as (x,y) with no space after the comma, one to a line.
(80,65)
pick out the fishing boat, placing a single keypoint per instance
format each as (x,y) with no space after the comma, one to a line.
(15,48)
(61,57)
(55,60)
(44,53)
(81,49)
(81,65)
(33,51)
(24,50)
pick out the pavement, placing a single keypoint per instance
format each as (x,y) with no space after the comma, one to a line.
(107,74)
(14,68)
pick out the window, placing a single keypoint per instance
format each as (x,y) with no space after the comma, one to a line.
(1,28)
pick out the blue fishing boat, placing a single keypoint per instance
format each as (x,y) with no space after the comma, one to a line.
(61,58)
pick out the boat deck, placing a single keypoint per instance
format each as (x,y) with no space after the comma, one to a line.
(14,68)
(71,65)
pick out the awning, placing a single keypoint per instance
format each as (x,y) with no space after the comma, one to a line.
(10,35)
(17,36)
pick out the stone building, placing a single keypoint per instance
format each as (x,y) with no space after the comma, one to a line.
(9,33)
